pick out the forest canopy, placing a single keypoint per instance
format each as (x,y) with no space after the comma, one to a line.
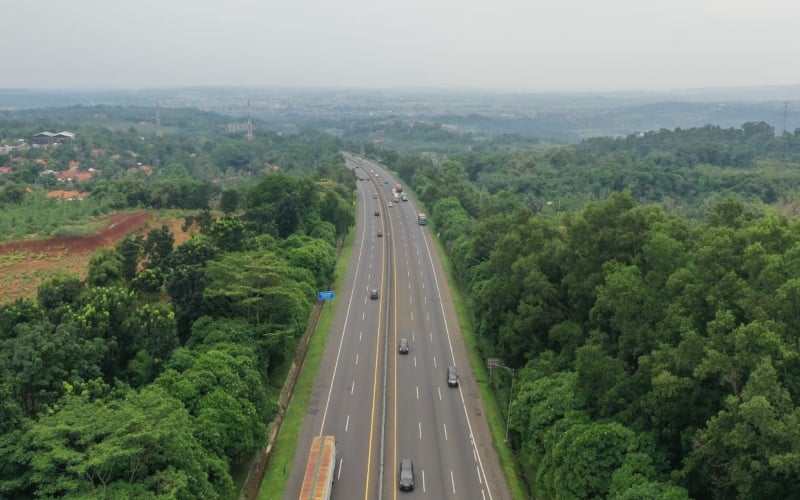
(654,356)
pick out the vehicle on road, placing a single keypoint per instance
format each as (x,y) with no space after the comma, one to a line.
(373,294)
(452,376)
(422,219)
(402,346)
(374,196)
(380,233)
(404,197)
(398,187)
(406,475)
(377,213)
(318,477)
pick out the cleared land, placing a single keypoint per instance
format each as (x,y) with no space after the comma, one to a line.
(25,264)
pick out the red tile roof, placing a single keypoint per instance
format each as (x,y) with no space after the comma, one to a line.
(73,175)
(67,195)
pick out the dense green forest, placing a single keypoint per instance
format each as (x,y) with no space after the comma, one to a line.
(654,355)
(684,171)
(151,378)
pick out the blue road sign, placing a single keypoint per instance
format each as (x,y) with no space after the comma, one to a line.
(324,295)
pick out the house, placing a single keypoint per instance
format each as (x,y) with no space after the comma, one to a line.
(73,176)
(144,168)
(5,170)
(67,195)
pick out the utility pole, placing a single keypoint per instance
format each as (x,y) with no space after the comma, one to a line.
(497,363)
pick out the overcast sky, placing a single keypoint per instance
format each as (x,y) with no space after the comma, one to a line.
(518,45)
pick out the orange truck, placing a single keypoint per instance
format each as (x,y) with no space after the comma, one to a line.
(318,477)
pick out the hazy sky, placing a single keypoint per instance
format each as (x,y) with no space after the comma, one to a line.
(520,45)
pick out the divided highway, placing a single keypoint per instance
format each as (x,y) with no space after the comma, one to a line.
(381,405)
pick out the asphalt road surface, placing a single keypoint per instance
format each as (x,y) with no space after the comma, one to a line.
(382,405)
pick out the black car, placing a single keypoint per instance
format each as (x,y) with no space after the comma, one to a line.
(406,474)
(377,213)
(380,233)
(402,347)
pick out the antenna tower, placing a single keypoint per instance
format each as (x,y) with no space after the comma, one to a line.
(158,120)
(249,122)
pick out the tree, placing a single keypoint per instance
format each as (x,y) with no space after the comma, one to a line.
(315,255)
(41,356)
(158,246)
(281,200)
(540,402)
(87,448)
(223,390)
(130,250)
(229,201)
(53,295)
(751,447)
(105,267)
(261,288)
(337,211)
(228,234)
(583,461)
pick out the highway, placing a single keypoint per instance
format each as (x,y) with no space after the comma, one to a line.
(381,405)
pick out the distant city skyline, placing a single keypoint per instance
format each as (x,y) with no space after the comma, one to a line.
(504,45)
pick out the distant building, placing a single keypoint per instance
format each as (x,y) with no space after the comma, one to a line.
(50,139)
(5,170)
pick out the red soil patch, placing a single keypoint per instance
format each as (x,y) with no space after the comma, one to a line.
(25,264)
(118,226)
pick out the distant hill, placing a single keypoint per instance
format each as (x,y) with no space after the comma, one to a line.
(567,117)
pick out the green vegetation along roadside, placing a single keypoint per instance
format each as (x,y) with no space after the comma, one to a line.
(280,463)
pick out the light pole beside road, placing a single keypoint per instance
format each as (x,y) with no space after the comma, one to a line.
(497,363)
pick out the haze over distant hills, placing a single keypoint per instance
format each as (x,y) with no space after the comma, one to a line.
(557,116)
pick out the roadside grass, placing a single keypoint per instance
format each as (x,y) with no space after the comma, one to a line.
(81,229)
(280,463)
(494,415)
